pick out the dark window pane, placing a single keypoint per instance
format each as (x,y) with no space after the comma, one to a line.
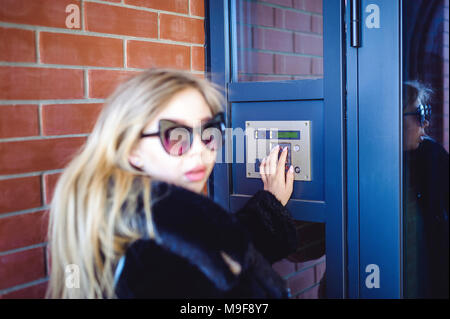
(425,143)
(279,40)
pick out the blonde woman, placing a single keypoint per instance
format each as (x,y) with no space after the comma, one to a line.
(128,214)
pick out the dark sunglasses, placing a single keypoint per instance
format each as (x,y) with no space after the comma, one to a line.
(423,113)
(177,138)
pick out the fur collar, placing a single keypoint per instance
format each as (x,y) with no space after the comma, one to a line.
(199,230)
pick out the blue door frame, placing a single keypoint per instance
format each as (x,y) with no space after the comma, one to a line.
(329,96)
(374,156)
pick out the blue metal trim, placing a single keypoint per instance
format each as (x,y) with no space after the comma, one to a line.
(233,46)
(218,50)
(352,168)
(334,88)
(310,211)
(380,152)
(275,91)
(400,110)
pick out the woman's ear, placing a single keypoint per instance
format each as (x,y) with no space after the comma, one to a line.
(135,160)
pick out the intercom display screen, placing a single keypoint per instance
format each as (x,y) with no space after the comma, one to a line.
(289,135)
(273,134)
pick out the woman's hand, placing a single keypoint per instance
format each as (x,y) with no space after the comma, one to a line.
(273,175)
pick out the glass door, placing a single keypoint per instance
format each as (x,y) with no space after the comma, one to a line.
(397,150)
(425,149)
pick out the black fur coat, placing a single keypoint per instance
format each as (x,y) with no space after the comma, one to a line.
(206,252)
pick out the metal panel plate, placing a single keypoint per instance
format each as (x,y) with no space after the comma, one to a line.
(262,136)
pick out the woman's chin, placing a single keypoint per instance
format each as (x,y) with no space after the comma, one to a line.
(196,187)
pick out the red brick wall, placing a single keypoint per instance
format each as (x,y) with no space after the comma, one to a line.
(53,81)
(303,278)
(279,40)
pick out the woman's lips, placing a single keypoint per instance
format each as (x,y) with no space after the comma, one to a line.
(196,174)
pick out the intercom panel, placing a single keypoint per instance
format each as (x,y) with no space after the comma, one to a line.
(292,120)
(263,136)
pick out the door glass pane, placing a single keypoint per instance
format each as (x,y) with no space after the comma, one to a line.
(278,40)
(425,146)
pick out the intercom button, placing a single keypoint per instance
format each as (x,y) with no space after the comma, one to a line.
(257,164)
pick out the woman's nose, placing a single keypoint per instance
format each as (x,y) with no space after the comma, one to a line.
(197,145)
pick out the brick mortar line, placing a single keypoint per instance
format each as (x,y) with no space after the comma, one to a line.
(125,54)
(51,102)
(273,5)
(298,293)
(158,26)
(281,53)
(93,33)
(316,35)
(30,174)
(44,189)
(306,77)
(67,66)
(83,26)
(72,67)
(26,285)
(298,272)
(40,137)
(40,122)
(24,211)
(25,248)
(38,53)
(86,83)
(129,6)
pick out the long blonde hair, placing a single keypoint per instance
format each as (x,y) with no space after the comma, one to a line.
(88,227)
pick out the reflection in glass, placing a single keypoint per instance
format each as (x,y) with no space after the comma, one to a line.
(425,146)
(279,40)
